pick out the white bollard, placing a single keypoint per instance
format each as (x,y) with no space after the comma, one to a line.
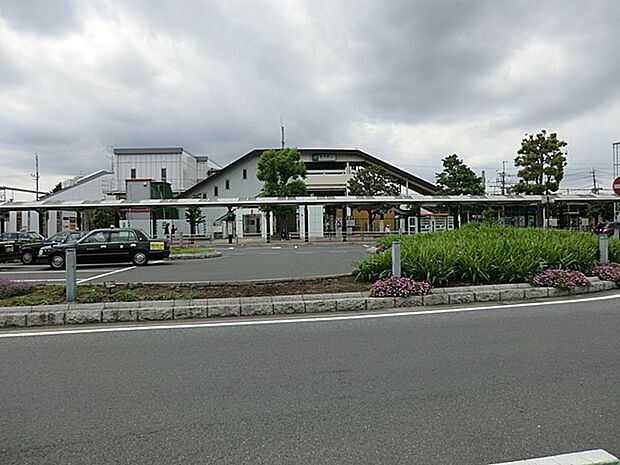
(70,264)
(396,259)
(603,245)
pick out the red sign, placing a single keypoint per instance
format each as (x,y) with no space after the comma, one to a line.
(616,186)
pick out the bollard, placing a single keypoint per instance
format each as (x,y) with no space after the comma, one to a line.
(603,245)
(70,264)
(396,259)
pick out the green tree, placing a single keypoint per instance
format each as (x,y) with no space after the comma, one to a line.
(57,188)
(541,161)
(194,217)
(104,218)
(282,173)
(457,178)
(373,181)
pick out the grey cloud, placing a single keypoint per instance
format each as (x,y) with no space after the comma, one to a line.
(326,67)
(43,17)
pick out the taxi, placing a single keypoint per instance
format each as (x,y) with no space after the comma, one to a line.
(109,246)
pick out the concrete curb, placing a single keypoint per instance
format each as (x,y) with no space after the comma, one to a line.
(194,256)
(587,457)
(112,312)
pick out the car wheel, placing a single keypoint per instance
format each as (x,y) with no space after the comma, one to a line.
(57,262)
(139,259)
(27,257)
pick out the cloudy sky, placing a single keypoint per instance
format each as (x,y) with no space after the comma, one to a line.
(409,81)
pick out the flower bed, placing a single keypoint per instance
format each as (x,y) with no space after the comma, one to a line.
(562,279)
(9,288)
(399,287)
(608,272)
(486,254)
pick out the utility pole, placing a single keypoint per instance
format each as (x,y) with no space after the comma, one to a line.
(595,190)
(36,175)
(503,177)
(282,131)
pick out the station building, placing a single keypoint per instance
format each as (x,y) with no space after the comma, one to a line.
(328,171)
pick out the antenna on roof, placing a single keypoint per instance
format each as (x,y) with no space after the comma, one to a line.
(282,130)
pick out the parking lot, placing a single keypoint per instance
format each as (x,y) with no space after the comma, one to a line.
(236,264)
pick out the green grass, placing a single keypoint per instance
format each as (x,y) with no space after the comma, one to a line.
(486,254)
(179,250)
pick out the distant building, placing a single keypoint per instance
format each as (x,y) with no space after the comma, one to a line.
(173,165)
(89,187)
(328,171)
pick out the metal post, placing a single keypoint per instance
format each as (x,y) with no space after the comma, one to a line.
(603,243)
(396,259)
(70,264)
(268,218)
(306,234)
(344,223)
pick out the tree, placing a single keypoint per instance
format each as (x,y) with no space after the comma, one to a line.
(57,188)
(194,217)
(373,181)
(104,218)
(457,178)
(282,173)
(542,163)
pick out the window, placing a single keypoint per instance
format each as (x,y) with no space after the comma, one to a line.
(163,174)
(245,173)
(227,184)
(122,236)
(133,173)
(95,238)
(215,191)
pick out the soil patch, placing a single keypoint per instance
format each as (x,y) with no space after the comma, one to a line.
(45,295)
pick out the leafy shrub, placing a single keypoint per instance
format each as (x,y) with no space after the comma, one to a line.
(9,288)
(399,287)
(486,254)
(563,279)
(608,272)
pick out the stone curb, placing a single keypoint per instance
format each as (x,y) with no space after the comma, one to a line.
(193,256)
(161,310)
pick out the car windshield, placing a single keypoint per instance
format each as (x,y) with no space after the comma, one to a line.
(58,237)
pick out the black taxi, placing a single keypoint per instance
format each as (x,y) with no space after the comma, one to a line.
(9,250)
(109,245)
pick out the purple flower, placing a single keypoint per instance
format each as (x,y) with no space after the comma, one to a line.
(9,288)
(608,272)
(563,279)
(399,287)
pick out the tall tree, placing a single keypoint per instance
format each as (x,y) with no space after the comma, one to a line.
(282,173)
(373,181)
(542,163)
(194,217)
(104,217)
(457,178)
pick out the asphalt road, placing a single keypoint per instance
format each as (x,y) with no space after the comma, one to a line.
(464,388)
(236,264)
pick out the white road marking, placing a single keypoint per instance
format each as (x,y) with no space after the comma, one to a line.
(83,270)
(85,280)
(321,319)
(276,247)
